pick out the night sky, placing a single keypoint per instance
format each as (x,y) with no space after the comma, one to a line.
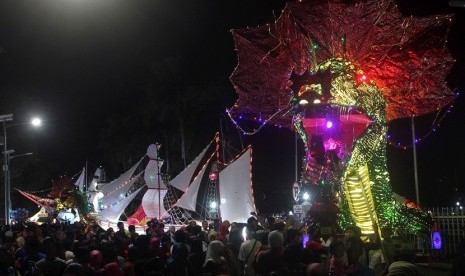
(76,63)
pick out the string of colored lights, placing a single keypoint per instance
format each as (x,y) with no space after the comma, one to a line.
(262,124)
(435,125)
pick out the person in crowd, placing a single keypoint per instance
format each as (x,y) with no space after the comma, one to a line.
(403,268)
(177,262)
(74,269)
(122,233)
(293,252)
(51,264)
(247,252)
(270,221)
(132,233)
(196,257)
(215,263)
(271,260)
(355,232)
(354,250)
(337,266)
(96,260)
(223,234)
(193,229)
(235,239)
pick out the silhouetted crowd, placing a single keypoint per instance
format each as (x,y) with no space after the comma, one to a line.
(212,248)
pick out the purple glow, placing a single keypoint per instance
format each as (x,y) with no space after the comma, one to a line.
(240,116)
(329,124)
(436,240)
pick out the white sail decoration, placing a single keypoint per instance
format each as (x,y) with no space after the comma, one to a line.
(152,175)
(113,212)
(95,180)
(119,192)
(151,205)
(80,181)
(182,180)
(189,199)
(120,181)
(236,197)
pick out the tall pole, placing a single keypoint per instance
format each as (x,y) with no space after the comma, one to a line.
(295,156)
(415,169)
(158,181)
(5,174)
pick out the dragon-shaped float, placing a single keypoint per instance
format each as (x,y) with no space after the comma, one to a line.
(337,72)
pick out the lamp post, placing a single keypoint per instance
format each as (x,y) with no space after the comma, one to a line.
(4,119)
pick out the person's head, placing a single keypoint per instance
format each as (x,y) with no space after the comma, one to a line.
(253,221)
(204,225)
(50,247)
(262,236)
(120,226)
(96,259)
(180,236)
(171,229)
(275,239)
(226,223)
(132,229)
(337,248)
(192,223)
(315,269)
(403,268)
(20,241)
(215,251)
(270,221)
(352,231)
(74,269)
(69,255)
(293,236)
(386,233)
(354,250)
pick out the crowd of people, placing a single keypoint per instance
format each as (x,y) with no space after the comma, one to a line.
(221,248)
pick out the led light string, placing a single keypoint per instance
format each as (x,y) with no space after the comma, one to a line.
(262,124)
(440,116)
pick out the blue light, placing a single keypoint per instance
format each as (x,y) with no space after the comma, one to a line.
(436,240)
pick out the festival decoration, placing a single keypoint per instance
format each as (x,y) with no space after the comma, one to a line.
(337,73)
(19,215)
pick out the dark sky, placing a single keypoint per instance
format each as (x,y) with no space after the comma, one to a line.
(75,62)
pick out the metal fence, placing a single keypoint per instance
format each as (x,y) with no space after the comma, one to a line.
(450,222)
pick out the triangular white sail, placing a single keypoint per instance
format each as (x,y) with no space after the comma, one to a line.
(124,178)
(236,196)
(119,192)
(189,199)
(182,180)
(113,212)
(80,181)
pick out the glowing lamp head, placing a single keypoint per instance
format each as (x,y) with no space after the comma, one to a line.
(213,205)
(37,122)
(316,101)
(306,196)
(213,176)
(329,124)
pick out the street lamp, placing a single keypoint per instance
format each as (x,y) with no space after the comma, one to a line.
(5,119)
